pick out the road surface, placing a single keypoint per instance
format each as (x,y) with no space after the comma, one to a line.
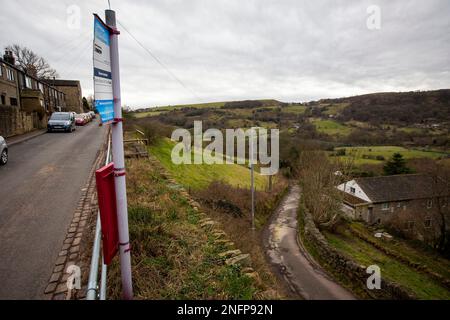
(39,190)
(302,274)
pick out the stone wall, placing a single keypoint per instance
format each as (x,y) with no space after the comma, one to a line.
(353,272)
(15,122)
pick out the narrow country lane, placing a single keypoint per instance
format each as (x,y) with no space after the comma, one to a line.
(302,274)
(39,191)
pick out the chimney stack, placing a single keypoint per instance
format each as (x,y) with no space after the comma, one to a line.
(9,57)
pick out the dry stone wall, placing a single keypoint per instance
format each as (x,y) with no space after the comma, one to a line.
(345,266)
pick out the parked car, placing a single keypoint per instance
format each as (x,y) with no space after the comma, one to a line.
(3,151)
(80,120)
(61,121)
(86,117)
(93,115)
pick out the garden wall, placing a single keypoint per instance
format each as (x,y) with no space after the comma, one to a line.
(15,122)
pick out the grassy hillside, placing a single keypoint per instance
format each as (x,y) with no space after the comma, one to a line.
(376,154)
(394,107)
(173,257)
(210,105)
(194,106)
(331,127)
(200,176)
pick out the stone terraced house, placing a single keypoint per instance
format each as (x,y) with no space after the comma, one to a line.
(380,200)
(26,102)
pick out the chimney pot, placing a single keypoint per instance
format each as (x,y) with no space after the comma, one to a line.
(9,57)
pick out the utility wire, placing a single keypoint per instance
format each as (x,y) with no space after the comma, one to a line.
(159,62)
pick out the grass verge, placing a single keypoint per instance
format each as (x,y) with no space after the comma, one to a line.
(419,283)
(172,257)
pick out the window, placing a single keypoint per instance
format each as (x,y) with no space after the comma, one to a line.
(9,74)
(385,206)
(41,87)
(429,203)
(3,100)
(428,223)
(60,116)
(409,225)
(13,101)
(1,70)
(352,190)
(28,82)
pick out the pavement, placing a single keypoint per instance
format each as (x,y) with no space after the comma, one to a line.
(302,275)
(39,191)
(24,137)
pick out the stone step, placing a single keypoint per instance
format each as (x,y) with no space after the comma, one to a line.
(241,260)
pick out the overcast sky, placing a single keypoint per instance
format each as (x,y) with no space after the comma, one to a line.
(222,50)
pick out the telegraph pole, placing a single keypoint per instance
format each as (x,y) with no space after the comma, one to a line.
(252,175)
(253,195)
(119,162)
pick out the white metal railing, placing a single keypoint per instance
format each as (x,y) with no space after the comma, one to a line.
(94,291)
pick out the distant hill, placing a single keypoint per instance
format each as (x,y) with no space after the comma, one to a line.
(216,105)
(404,108)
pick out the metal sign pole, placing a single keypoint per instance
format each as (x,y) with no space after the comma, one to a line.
(119,162)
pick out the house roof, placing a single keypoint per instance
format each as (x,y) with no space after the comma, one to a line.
(353,200)
(43,81)
(401,187)
(63,83)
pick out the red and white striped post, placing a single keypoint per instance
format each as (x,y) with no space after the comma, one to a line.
(119,162)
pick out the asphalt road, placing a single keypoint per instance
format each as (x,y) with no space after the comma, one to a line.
(303,276)
(39,191)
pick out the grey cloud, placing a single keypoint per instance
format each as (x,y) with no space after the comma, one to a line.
(228,49)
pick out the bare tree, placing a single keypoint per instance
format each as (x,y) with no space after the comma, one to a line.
(441,179)
(318,178)
(32,63)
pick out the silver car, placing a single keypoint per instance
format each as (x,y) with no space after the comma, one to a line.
(61,121)
(3,151)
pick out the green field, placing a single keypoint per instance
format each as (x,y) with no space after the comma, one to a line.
(421,284)
(148,114)
(331,127)
(335,109)
(294,109)
(200,176)
(411,130)
(387,152)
